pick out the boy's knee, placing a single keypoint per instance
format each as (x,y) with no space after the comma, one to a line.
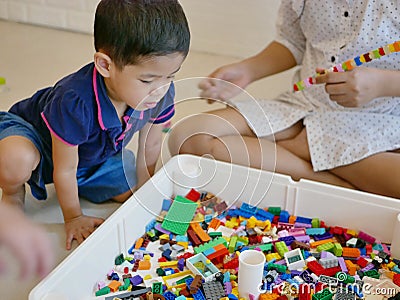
(16,166)
(122,197)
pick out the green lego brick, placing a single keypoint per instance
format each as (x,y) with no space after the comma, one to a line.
(209,245)
(215,234)
(325,294)
(277,267)
(276,211)
(315,223)
(104,291)
(183,280)
(232,244)
(337,249)
(157,288)
(281,248)
(179,215)
(326,247)
(264,248)
(119,259)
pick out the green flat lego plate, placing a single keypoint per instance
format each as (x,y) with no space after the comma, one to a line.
(179,215)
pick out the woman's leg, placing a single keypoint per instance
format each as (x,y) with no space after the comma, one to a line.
(18,158)
(379,174)
(225,135)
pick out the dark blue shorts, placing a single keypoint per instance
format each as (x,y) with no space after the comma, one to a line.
(100,183)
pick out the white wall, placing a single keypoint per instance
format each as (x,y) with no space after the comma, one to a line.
(227,27)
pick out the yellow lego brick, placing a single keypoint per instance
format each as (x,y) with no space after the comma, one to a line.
(147,257)
(352,232)
(164,237)
(168,264)
(251,223)
(230,224)
(271,256)
(390,265)
(147,277)
(183,244)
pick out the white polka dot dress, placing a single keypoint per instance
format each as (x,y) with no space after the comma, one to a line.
(323,33)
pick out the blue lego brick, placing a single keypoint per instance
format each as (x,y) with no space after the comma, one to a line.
(324,236)
(209,251)
(169,295)
(288,240)
(166,204)
(199,295)
(315,231)
(249,208)
(150,225)
(284,216)
(264,215)
(303,220)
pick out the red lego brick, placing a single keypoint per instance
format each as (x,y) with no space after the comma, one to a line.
(396,279)
(362,262)
(305,292)
(193,195)
(315,267)
(332,271)
(193,238)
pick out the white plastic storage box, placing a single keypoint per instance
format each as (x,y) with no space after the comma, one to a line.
(77,275)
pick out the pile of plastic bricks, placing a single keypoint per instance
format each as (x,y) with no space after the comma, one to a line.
(190,251)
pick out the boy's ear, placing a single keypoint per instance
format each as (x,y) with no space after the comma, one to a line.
(102,62)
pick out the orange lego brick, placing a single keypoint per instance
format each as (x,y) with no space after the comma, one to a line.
(139,243)
(144,265)
(219,247)
(317,243)
(204,237)
(351,252)
(352,268)
(114,285)
(214,223)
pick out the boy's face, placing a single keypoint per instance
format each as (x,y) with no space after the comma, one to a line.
(143,85)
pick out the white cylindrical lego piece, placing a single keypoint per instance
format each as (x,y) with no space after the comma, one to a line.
(395,248)
(251,267)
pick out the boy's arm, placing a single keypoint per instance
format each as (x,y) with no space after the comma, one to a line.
(149,149)
(65,161)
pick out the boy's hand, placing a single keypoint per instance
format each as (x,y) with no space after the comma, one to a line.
(224,83)
(351,89)
(80,228)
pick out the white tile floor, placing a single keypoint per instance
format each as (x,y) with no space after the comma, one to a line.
(34,57)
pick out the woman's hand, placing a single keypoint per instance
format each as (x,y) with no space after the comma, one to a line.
(353,88)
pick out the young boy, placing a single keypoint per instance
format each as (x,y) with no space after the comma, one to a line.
(73,134)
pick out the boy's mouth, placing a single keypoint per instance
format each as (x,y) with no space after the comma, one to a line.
(150,104)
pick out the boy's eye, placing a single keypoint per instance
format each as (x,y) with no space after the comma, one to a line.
(145,81)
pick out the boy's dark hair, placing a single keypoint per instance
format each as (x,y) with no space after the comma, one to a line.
(128,30)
